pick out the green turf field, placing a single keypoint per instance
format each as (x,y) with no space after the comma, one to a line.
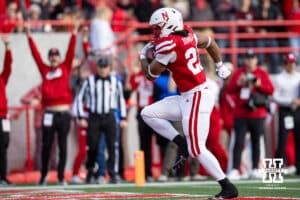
(169,190)
(288,189)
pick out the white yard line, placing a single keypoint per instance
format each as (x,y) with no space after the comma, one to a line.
(155,184)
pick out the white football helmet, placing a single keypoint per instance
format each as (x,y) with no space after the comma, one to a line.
(168,20)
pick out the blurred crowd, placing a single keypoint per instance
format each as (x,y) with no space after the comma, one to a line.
(124,12)
(243,102)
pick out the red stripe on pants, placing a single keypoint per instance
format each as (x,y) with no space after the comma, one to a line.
(190,124)
(196,124)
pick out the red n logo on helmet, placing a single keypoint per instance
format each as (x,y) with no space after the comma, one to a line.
(165,16)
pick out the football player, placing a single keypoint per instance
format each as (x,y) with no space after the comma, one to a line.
(175,48)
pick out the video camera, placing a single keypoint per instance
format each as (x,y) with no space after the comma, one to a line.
(251,78)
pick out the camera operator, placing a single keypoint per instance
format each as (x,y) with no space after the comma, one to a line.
(251,86)
(287,96)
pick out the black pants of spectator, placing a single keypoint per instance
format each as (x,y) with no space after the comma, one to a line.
(98,124)
(4,141)
(145,134)
(283,133)
(60,125)
(256,129)
(38,151)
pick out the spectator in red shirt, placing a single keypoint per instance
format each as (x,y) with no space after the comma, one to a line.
(10,21)
(56,101)
(4,123)
(249,84)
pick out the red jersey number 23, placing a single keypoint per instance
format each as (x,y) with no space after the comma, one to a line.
(193,63)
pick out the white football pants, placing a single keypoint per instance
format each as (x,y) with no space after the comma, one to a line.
(193,109)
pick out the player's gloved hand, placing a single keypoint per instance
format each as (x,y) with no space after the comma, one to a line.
(143,52)
(222,70)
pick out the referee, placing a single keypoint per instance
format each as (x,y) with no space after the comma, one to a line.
(102,93)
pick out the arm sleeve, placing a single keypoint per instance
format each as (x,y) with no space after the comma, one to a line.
(121,101)
(80,100)
(7,66)
(77,110)
(165,59)
(165,52)
(70,52)
(36,55)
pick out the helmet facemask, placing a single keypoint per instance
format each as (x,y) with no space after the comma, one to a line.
(156,31)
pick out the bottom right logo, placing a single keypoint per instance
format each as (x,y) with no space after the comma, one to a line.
(273,170)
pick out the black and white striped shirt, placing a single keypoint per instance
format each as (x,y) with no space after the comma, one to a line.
(101,95)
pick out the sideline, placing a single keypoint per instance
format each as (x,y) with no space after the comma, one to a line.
(155,184)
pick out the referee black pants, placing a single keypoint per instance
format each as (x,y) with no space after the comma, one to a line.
(283,133)
(98,124)
(256,129)
(60,125)
(4,141)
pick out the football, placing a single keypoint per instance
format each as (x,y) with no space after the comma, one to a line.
(150,54)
